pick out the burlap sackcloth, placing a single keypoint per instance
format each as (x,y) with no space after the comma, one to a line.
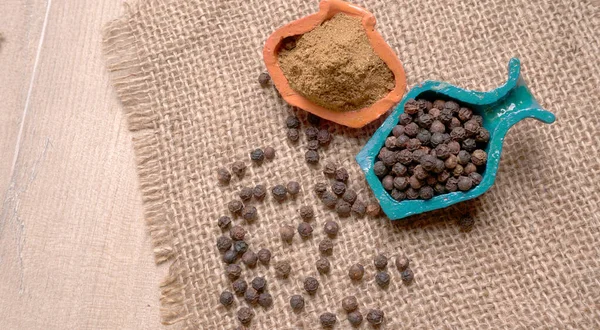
(186,72)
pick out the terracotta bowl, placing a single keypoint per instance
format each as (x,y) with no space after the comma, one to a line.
(327,9)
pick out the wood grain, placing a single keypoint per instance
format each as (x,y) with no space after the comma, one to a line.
(74,253)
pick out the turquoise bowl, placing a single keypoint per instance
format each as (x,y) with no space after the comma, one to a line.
(500,108)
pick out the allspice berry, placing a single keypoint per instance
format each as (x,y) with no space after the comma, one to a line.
(356,272)
(323,265)
(237,233)
(373,209)
(326,246)
(311,285)
(286,232)
(359,208)
(350,304)
(245,315)
(343,208)
(327,319)
(283,269)
(375,316)
(269,153)
(331,228)
(293,188)
(297,302)
(306,212)
(223,175)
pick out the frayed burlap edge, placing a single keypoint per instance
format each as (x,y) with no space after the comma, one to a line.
(125,67)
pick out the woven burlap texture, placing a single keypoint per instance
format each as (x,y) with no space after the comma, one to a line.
(186,73)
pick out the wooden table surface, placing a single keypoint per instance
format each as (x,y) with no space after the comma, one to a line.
(74,252)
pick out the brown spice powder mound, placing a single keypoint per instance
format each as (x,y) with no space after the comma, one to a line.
(335,66)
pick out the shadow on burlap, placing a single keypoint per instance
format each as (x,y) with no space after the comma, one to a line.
(186,72)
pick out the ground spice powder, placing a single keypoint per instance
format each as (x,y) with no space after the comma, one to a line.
(335,66)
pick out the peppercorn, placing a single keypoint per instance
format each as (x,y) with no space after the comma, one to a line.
(338,188)
(398,169)
(411,130)
(440,188)
(404,157)
(478,119)
(240,247)
(451,184)
(264,79)
(251,296)
(398,195)
(413,144)
(382,279)
(454,123)
(287,233)
(471,127)
(245,194)
(417,154)
(426,192)
(326,246)
(469,144)
(380,261)
(439,104)
(329,169)
(398,130)
(475,178)
(237,233)
(401,141)
(305,230)
(420,173)
(400,183)
(445,116)
(425,120)
(293,134)
(323,266)
(463,157)
(427,162)
(223,243)
(283,269)
(465,114)
(224,222)
(311,285)
(451,162)
(327,319)
(233,271)
(442,177)
(230,256)
(479,157)
(311,156)
(324,137)
(320,188)
(424,136)
(259,192)
(431,180)
(257,155)
(313,119)
(311,133)
(466,223)
(249,213)
(458,134)
(424,105)
(355,318)
(356,272)
(223,175)
(279,193)
(249,258)
(470,168)
(359,208)
(458,170)
(288,43)
(375,316)
(373,209)
(414,182)
(349,196)
(407,275)
(259,283)
(312,145)
(226,298)
(483,135)
(454,147)
(235,206)
(442,151)
(350,304)
(412,193)
(292,122)
(329,199)
(411,107)
(306,212)
(293,188)
(436,139)
(388,182)
(239,286)
(343,208)
(447,138)
(297,302)
(264,256)
(402,263)
(341,174)
(245,315)
(269,153)
(434,112)
(464,183)
(389,159)
(265,299)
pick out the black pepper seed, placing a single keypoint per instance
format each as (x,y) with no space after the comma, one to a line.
(230,256)
(251,296)
(329,199)
(323,266)
(431,180)
(245,315)
(437,127)
(452,184)
(466,223)
(382,279)
(401,141)
(479,157)
(305,230)
(269,153)
(311,133)
(426,192)
(341,174)
(425,120)
(283,269)
(465,114)
(327,319)
(469,145)
(306,212)
(326,246)
(402,263)
(297,302)
(238,168)
(293,134)
(453,106)
(412,193)
(472,127)
(398,169)
(223,175)
(420,173)
(240,247)
(350,196)
(264,79)
(388,182)
(313,119)
(224,243)
(324,137)
(239,286)
(233,271)
(411,107)
(329,170)
(343,208)
(249,213)
(451,162)
(380,261)
(439,104)
(293,188)
(458,170)
(483,135)
(475,178)
(237,233)
(226,298)
(257,155)
(311,285)
(320,188)
(249,258)
(350,304)
(463,157)
(442,151)
(407,275)
(235,206)
(259,283)
(411,130)
(338,188)
(440,188)
(424,136)
(356,272)
(413,144)
(398,130)
(478,119)
(331,228)
(414,182)
(405,119)
(292,122)
(264,256)
(373,209)
(445,116)
(224,222)
(470,168)
(359,208)
(355,318)
(286,233)
(375,316)
(464,183)
(398,195)
(313,145)
(259,192)
(311,156)
(436,139)
(443,177)
(265,300)
(454,123)
(279,193)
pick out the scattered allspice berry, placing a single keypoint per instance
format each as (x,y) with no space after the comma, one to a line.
(380,261)
(326,246)
(223,175)
(350,196)
(375,316)
(226,298)
(251,296)
(293,188)
(305,230)
(235,206)
(328,319)
(245,315)
(237,233)
(269,153)
(373,209)
(311,285)
(311,156)
(402,262)
(279,193)
(238,168)
(355,318)
(239,286)
(264,256)
(245,193)
(329,199)
(287,233)
(283,269)
(331,228)
(293,134)
(329,170)
(264,79)
(350,304)
(233,271)
(259,192)
(359,208)
(343,208)
(297,302)
(338,188)
(356,272)
(259,283)
(407,275)
(306,212)
(249,213)
(224,243)
(382,279)
(265,299)
(323,265)
(257,155)
(249,258)
(224,222)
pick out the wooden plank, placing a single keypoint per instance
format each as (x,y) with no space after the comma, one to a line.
(74,253)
